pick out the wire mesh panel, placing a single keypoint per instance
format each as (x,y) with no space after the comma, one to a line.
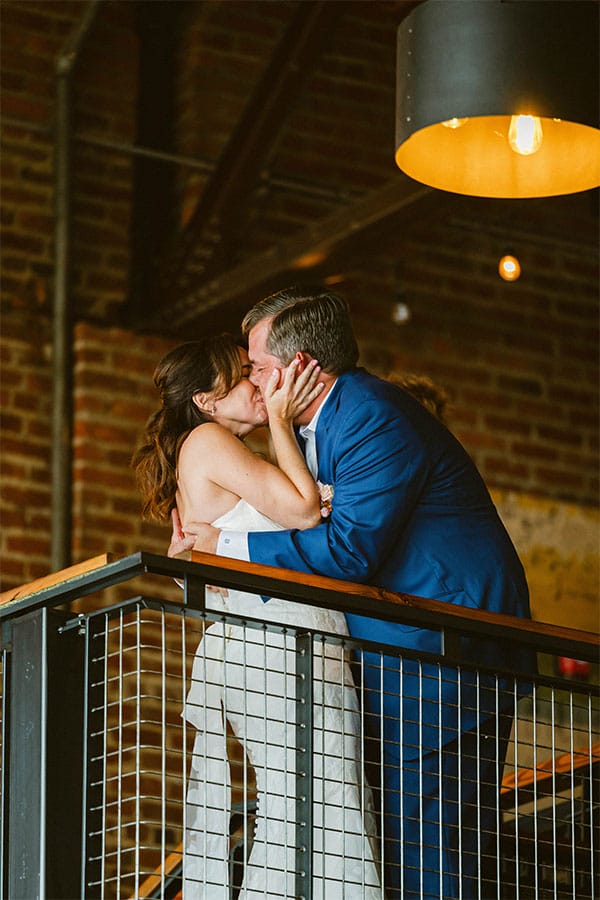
(139,662)
(261,756)
(551,795)
(436,736)
(250,759)
(198,742)
(507,808)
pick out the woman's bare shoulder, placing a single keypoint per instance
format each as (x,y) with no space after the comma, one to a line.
(210,437)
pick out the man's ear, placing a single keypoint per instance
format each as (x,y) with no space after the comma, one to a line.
(303,360)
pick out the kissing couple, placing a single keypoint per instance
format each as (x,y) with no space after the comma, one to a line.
(404,508)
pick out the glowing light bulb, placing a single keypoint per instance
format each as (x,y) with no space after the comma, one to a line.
(509,268)
(525,134)
(454,123)
(401,313)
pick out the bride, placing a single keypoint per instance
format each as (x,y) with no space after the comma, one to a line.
(193,457)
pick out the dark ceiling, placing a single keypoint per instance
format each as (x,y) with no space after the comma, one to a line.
(224,257)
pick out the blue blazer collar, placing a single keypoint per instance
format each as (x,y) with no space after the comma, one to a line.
(327,417)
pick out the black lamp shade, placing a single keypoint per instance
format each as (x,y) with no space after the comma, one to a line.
(476,64)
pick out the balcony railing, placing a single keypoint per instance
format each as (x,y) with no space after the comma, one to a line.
(129,736)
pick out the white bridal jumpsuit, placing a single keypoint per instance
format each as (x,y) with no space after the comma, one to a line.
(246,676)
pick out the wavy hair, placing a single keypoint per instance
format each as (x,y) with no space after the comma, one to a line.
(209,365)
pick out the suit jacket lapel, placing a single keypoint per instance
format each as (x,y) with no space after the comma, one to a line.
(326,431)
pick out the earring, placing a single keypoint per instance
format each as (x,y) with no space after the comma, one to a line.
(213,410)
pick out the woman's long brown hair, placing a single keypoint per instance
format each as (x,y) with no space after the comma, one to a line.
(209,365)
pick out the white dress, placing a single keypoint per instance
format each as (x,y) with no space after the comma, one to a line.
(246,676)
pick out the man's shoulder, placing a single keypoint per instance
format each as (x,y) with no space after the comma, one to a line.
(366,401)
(358,379)
(359,385)
(361,400)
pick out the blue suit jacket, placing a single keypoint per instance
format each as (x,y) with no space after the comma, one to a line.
(410,513)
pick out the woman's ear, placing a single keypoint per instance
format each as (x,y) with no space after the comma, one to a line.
(201,400)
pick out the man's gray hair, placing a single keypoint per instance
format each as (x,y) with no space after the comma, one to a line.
(311,321)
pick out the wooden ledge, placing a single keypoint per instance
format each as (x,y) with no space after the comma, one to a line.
(40,584)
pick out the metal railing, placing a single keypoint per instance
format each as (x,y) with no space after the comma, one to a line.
(153,746)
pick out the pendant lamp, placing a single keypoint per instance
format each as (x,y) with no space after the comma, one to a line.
(499,98)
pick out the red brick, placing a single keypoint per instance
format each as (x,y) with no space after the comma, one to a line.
(508,424)
(533,451)
(519,359)
(27,544)
(482,441)
(517,385)
(570,437)
(559,478)
(16,240)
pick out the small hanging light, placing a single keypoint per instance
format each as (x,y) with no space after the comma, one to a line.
(509,267)
(498,98)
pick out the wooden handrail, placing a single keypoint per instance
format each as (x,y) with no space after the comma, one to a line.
(369,592)
(32,587)
(326,592)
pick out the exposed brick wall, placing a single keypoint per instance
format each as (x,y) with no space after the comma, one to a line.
(519,360)
(26,395)
(103,95)
(114,395)
(318,158)
(104,98)
(32,36)
(103,91)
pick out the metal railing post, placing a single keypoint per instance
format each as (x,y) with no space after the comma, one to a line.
(304,766)
(95,731)
(45,768)
(5,634)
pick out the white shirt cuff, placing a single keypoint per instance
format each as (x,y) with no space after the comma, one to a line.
(234,544)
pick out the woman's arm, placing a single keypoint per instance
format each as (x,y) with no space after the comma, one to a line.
(238,472)
(215,467)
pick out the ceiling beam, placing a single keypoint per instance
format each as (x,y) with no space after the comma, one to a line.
(332,235)
(158,28)
(251,141)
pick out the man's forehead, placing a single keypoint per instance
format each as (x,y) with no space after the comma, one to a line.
(260,360)
(257,339)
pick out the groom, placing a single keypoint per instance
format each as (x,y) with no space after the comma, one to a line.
(410,513)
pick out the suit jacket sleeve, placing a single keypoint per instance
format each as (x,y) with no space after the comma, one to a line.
(377,466)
